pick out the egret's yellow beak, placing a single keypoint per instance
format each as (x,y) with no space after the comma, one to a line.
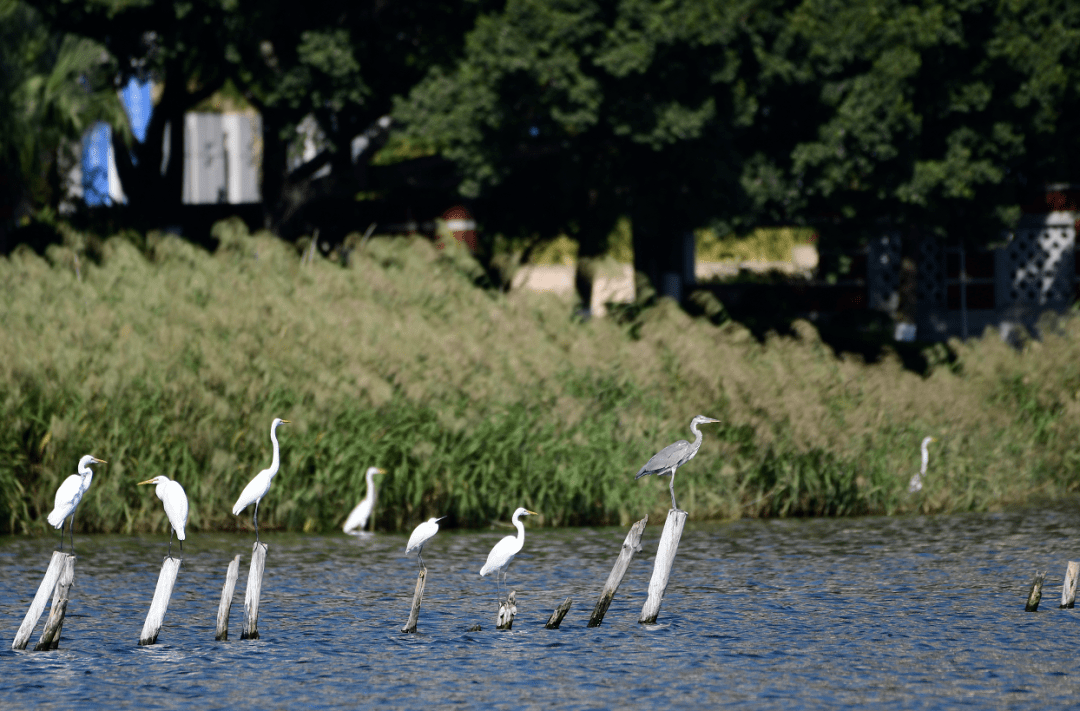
(100,461)
(933,439)
(148,481)
(531,513)
(286,422)
(380,471)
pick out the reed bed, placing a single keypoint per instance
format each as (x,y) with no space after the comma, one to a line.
(166,359)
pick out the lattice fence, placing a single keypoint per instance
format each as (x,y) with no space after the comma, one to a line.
(1040,260)
(883,271)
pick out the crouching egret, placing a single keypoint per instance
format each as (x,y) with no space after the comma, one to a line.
(257,487)
(358,517)
(176,506)
(68,497)
(421,535)
(504,551)
(673,456)
(915,484)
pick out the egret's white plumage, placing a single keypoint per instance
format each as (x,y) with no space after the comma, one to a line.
(176,506)
(257,487)
(69,495)
(673,456)
(916,479)
(421,535)
(504,551)
(358,517)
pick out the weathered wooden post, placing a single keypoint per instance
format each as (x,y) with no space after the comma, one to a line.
(665,556)
(630,546)
(1068,588)
(560,612)
(507,611)
(47,586)
(160,604)
(1035,595)
(225,605)
(418,596)
(50,636)
(254,592)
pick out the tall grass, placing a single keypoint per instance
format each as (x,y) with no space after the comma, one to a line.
(165,359)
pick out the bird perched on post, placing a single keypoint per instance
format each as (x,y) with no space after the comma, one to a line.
(68,497)
(358,517)
(915,484)
(260,485)
(499,558)
(176,507)
(673,456)
(421,535)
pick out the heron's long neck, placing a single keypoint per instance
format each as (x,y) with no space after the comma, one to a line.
(277,456)
(87,477)
(370,496)
(696,444)
(925,459)
(520,528)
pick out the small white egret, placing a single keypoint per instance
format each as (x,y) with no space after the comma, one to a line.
(257,487)
(421,535)
(358,517)
(504,551)
(915,484)
(673,456)
(68,497)
(176,506)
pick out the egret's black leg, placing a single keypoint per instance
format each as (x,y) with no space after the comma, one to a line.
(170,541)
(256,520)
(71,532)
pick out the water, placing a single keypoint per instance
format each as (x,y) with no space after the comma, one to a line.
(904,612)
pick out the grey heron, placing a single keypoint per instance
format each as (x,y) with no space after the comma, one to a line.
(673,456)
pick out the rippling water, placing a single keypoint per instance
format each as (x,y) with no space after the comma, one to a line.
(904,612)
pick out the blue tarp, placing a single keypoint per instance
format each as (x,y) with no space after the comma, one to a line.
(96,144)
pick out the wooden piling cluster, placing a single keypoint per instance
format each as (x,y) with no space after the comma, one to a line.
(57,582)
(1068,588)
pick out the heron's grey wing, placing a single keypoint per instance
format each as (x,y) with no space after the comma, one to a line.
(668,457)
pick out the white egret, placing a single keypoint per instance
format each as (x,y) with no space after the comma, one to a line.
(504,551)
(257,487)
(673,456)
(358,517)
(915,484)
(421,535)
(68,497)
(176,506)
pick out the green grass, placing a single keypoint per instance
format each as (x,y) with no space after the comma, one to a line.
(165,359)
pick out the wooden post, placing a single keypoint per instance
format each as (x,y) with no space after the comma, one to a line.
(47,586)
(631,545)
(160,604)
(507,610)
(1036,593)
(665,556)
(254,592)
(225,605)
(50,636)
(1068,588)
(418,596)
(560,612)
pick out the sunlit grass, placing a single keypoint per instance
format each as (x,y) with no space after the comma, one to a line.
(170,360)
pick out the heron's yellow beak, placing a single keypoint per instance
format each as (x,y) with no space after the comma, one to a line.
(380,471)
(100,461)
(286,422)
(933,439)
(531,513)
(148,481)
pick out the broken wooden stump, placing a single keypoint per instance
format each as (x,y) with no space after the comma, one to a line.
(1035,595)
(665,557)
(254,592)
(560,612)
(631,545)
(418,596)
(225,606)
(160,604)
(507,611)
(46,588)
(1068,587)
(50,636)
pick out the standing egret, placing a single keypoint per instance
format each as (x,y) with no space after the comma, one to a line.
(358,517)
(176,506)
(421,535)
(504,551)
(68,497)
(915,484)
(257,487)
(673,456)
